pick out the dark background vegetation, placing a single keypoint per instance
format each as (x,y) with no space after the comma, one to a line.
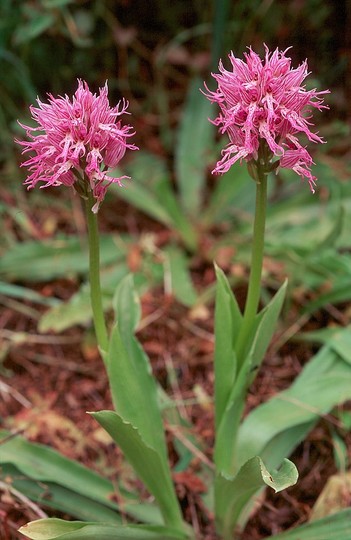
(150,51)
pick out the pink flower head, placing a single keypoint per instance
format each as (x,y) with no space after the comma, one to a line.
(265,102)
(76,142)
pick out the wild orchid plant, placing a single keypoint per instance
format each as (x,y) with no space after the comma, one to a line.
(263,108)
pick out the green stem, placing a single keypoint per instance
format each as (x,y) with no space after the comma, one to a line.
(254,288)
(94,275)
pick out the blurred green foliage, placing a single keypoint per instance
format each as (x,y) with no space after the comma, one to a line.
(148,50)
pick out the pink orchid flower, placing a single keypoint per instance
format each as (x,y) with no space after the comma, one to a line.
(264,101)
(75,142)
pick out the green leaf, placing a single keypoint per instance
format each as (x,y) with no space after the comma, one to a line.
(236,384)
(151,191)
(52,528)
(228,320)
(266,327)
(42,463)
(138,400)
(43,261)
(334,527)
(16,291)
(340,451)
(143,199)
(180,222)
(194,141)
(341,343)
(34,28)
(50,4)
(77,310)
(333,235)
(127,308)
(321,336)
(149,465)
(134,390)
(55,496)
(340,291)
(181,284)
(232,189)
(275,428)
(44,529)
(148,173)
(134,393)
(64,484)
(232,494)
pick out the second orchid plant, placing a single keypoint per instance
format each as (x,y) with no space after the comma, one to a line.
(264,107)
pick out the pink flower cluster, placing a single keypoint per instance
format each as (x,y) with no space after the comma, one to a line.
(76,142)
(264,100)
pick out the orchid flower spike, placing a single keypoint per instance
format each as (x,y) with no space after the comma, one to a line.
(264,106)
(75,142)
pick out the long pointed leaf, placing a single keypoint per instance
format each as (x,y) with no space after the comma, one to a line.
(134,390)
(42,261)
(43,463)
(182,285)
(266,328)
(148,172)
(43,472)
(57,497)
(227,431)
(228,320)
(323,383)
(51,529)
(335,527)
(145,460)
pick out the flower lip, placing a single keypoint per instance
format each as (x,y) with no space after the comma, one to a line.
(78,138)
(265,99)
